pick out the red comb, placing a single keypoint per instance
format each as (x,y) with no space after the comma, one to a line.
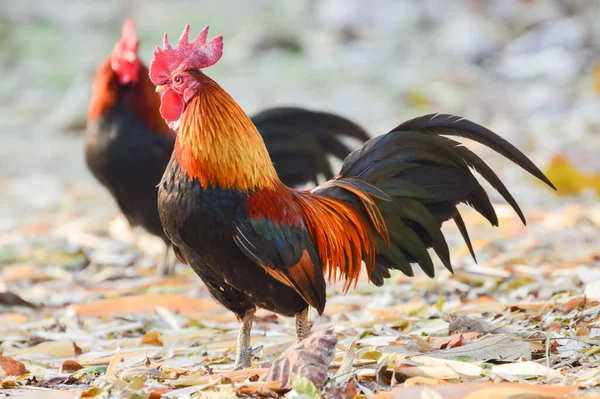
(129,37)
(187,56)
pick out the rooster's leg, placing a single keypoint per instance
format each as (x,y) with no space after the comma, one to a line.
(162,268)
(244,349)
(302,325)
(167,266)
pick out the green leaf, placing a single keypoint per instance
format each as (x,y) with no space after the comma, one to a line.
(305,388)
(92,370)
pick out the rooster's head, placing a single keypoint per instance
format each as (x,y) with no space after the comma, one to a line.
(124,60)
(175,70)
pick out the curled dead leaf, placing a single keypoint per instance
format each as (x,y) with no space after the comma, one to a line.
(70,366)
(309,359)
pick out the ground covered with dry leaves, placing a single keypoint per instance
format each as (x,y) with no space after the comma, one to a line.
(82,314)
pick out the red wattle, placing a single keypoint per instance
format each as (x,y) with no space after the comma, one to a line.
(171,107)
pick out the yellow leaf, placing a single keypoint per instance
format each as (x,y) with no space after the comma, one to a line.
(371,355)
(152,338)
(568,179)
(439,305)
(418,99)
(596,77)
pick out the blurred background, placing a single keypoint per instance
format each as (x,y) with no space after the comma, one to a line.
(527,69)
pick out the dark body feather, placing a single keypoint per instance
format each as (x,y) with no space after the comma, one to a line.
(129,160)
(200,224)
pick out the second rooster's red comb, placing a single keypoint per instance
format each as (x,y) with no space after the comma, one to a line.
(129,37)
(186,56)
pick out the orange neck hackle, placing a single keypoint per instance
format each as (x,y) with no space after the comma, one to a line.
(140,98)
(218,144)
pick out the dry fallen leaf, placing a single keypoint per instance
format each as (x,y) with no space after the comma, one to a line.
(60,349)
(157,393)
(491,347)
(525,368)
(262,389)
(78,351)
(12,367)
(152,338)
(144,304)
(484,390)
(70,366)
(437,368)
(10,299)
(307,359)
(451,340)
(112,365)
(459,324)
(567,179)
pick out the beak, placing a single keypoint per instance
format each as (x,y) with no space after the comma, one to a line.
(130,57)
(161,88)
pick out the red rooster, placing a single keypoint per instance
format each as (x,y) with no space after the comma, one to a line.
(128,144)
(257,243)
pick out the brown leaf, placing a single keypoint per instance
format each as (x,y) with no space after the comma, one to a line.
(572,304)
(152,338)
(310,359)
(157,393)
(144,304)
(583,331)
(10,299)
(70,366)
(78,351)
(451,340)
(12,367)
(91,393)
(264,389)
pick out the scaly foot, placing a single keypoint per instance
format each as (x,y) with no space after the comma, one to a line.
(302,325)
(244,349)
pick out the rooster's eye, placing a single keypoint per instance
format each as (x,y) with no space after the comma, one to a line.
(178,80)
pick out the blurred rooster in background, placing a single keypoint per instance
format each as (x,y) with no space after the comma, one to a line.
(256,242)
(128,144)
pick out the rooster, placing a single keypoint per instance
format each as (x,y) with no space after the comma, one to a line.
(128,144)
(257,243)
